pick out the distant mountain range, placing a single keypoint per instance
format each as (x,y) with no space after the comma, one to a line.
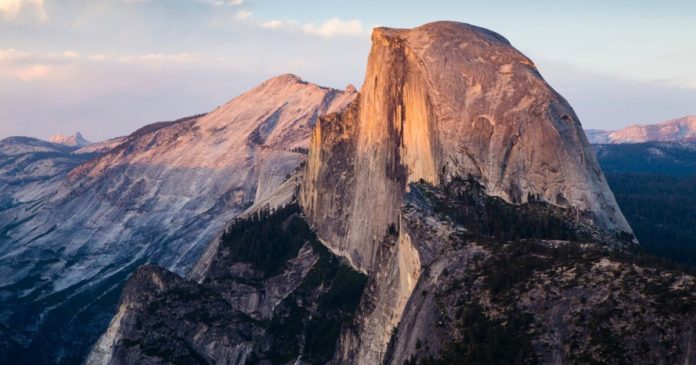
(669,158)
(680,129)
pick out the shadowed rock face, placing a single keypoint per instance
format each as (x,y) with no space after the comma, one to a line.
(441,100)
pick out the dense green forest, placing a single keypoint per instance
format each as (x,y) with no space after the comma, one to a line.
(659,158)
(662,212)
(655,186)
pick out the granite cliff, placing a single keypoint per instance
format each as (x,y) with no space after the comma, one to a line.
(441,100)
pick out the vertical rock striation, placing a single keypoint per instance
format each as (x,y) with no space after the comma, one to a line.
(441,100)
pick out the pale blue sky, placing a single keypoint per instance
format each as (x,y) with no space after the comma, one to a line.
(107,67)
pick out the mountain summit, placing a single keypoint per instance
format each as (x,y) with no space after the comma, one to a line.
(75,140)
(440,101)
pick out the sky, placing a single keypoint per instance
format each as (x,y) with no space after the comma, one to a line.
(108,67)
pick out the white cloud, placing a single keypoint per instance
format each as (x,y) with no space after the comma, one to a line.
(14,10)
(242,14)
(32,72)
(70,54)
(99,57)
(224,2)
(12,54)
(149,58)
(161,58)
(26,66)
(273,24)
(334,27)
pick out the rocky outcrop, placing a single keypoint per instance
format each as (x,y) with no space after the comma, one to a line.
(159,195)
(675,130)
(76,140)
(442,100)
(531,284)
(272,294)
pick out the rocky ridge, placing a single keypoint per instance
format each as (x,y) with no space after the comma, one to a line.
(76,140)
(675,130)
(68,244)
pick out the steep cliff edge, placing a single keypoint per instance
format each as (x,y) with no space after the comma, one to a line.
(441,100)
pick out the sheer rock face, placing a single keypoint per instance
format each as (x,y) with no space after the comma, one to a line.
(442,100)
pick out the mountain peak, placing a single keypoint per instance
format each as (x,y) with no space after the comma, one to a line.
(442,101)
(76,140)
(442,30)
(287,78)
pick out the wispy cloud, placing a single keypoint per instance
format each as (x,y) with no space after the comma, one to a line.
(242,14)
(33,72)
(211,2)
(12,54)
(334,27)
(224,2)
(70,54)
(273,24)
(161,58)
(14,10)
(26,66)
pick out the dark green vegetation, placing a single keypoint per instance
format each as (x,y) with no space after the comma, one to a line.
(267,239)
(316,321)
(305,323)
(655,186)
(465,202)
(657,158)
(662,212)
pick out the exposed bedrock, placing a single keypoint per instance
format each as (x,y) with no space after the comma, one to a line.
(441,100)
